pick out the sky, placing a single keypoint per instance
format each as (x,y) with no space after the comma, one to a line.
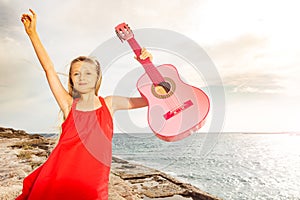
(254,46)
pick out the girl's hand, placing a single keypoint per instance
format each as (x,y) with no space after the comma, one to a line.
(145,54)
(29,22)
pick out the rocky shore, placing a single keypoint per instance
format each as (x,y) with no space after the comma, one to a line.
(20,153)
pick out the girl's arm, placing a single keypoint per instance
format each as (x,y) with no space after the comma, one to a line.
(124,103)
(62,97)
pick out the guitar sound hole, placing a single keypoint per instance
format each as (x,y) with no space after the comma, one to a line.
(164,87)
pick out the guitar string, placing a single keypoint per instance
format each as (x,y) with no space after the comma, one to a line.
(153,73)
(156,76)
(171,103)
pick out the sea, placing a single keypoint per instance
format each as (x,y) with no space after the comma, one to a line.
(233,166)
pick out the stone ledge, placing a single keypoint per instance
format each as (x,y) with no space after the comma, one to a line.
(20,153)
(153,184)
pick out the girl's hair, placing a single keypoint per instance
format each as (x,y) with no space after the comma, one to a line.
(90,60)
(73,92)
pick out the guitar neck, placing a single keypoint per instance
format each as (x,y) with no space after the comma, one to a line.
(150,69)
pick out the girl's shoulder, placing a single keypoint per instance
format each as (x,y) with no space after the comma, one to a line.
(107,99)
(109,103)
(66,110)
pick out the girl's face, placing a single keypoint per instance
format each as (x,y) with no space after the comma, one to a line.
(84,76)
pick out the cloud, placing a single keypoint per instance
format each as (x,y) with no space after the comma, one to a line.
(249,61)
(67,29)
(254,83)
(6,13)
(239,53)
(10,23)
(22,83)
(248,65)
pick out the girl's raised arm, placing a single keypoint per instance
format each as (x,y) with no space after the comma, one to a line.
(62,97)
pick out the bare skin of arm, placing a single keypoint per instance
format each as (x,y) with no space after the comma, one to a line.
(62,97)
(124,103)
(115,103)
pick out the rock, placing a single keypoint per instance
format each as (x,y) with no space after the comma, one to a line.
(153,184)
(20,153)
(119,189)
(11,133)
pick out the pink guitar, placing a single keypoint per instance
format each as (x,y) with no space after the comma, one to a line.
(176,109)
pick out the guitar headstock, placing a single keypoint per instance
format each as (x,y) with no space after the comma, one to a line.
(124,32)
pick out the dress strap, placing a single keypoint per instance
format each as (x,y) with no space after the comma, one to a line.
(104,106)
(102,101)
(74,103)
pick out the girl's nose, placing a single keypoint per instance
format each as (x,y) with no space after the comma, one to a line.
(81,77)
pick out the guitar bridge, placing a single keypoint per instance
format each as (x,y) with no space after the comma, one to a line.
(177,110)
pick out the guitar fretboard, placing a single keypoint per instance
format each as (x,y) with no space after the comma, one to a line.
(150,69)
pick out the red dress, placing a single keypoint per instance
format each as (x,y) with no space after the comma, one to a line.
(79,166)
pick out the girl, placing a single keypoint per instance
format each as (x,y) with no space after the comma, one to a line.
(79,166)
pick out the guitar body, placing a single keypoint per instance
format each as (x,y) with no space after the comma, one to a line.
(175,114)
(176,109)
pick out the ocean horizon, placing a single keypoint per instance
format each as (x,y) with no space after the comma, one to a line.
(230,165)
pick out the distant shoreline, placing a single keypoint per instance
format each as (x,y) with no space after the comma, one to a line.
(283,132)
